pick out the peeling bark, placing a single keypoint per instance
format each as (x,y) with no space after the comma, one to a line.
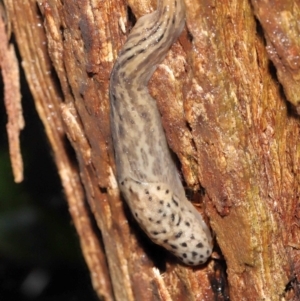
(226,120)
(12,99)
(280,21)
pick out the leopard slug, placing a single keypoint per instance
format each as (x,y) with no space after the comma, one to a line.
(146,173)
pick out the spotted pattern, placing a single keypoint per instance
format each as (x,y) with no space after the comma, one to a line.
(146,173)
(178,231)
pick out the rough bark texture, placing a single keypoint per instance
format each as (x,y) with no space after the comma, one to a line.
(225,117)
(280,21)
(12,100)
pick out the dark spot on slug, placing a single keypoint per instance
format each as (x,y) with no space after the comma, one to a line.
(130,57)
(194,254)
(127,49)
(187,224)
(144,115)
(172,217)
(161,202)
(184,244)
(173,246)
(168,205)
(199,245)
(184,255)
(144,39)
(160,38)
(121,130)
(158,187)
(146,191)
(178,234)
(141,51)
(175,202)
(179,220)
(167,191)
(114,98)
(192,236)
(165,241)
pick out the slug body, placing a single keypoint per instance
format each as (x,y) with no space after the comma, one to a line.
(146,173)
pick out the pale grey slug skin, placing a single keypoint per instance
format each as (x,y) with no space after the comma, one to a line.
(146,173)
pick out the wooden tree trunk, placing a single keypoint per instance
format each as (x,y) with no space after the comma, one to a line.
(226,118)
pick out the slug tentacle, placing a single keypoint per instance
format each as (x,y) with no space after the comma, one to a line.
(146,173)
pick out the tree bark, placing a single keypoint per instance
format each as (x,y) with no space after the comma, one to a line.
(226,119)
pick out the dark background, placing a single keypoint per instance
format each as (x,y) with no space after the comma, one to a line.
(40,256)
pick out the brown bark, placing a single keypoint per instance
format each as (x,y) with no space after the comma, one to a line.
(12,100)
(225,118)
(280,21)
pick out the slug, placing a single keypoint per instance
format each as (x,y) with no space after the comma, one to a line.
(146,173)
